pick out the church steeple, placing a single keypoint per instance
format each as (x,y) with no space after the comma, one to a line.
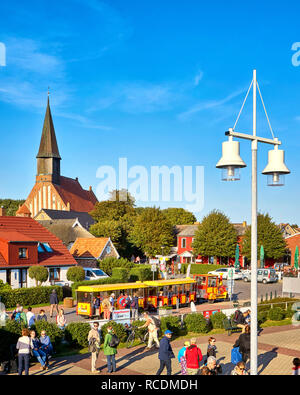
(48,157)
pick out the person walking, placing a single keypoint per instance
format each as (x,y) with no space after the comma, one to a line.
(94,345)
(61,320)
(165,354)
(193,356)
(37,352)
(239,370)
(181,358)
(53,302)
(152,330)
(110,351)
(135,307)
(24,346)
(243,342)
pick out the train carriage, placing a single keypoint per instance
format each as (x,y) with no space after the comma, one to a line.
(170,292)
(210,287)
(86,294)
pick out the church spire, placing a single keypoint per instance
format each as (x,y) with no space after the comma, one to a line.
(48,158)
(48,145)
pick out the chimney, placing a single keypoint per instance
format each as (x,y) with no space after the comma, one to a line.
(2,211)
(90,188)
(245,224)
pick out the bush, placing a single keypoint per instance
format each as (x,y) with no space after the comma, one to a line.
(276,314)
(141,273)
(76,333)
(8,336)
(196,323)
(76,273)
(262,317)
(120,274)
(107,264)
(25,296)
(171,323)
(119,330)
(4,286)
(217,320)
(200,268)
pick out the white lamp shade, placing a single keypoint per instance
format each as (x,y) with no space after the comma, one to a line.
(276,163)
(230,155)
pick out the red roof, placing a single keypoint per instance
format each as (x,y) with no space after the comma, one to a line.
(34,231)
(72,192)
(15,236)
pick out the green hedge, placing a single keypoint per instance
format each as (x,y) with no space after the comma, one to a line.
(141,273)
(200,268)
(76,333)
(196,323)
(29,296)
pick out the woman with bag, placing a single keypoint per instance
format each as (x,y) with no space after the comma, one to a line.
(110,349)
(243,342)
(94,345)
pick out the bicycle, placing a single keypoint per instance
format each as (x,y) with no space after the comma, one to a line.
(136,333)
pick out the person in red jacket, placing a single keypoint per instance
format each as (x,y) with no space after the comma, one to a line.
(193,356)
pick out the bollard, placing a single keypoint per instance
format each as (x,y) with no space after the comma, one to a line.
(271,295)
(266,296)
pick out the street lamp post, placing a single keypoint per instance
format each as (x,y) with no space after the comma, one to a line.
(231,162)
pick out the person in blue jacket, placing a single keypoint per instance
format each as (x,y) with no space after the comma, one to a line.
(181,357)
(165,354)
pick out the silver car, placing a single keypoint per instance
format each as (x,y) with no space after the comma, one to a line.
(263,276)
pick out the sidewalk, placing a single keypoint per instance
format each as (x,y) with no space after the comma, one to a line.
(277,347)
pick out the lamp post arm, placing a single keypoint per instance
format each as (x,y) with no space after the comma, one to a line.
(252,138)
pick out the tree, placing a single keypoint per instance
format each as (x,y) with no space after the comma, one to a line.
(114,218)
(268,235)
(39,274)
(11,206)
(215,236)
(75,273)
(179,216)
(113,208)
(151,231)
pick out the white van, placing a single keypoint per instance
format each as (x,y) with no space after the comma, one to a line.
(94,273)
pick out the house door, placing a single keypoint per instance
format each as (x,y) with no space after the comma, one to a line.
(22,278)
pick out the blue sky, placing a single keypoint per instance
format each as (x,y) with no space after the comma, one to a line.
(156,82)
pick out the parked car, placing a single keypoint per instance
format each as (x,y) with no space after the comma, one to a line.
(237,275)
(263,276)
(94,274)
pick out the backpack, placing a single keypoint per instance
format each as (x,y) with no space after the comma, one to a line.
(236,316)
(114,341)
(236,356)
(156,322)
(93,346)
(18,317)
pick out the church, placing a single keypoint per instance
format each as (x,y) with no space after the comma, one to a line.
(52,190)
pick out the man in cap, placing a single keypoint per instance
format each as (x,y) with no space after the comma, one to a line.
(165,353)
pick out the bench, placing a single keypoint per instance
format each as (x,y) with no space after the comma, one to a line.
(230,327)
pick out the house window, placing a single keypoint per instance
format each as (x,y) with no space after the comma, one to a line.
(183,243)
(54,274)
(22,253)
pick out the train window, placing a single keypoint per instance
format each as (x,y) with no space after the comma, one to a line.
(212,282)
(201,280)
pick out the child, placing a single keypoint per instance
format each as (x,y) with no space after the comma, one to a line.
(296,367)
(181,358)
(211,348)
